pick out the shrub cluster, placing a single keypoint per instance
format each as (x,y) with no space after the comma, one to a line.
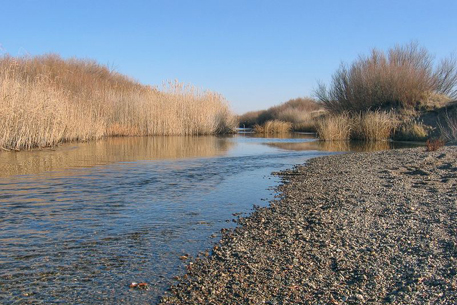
(402,78)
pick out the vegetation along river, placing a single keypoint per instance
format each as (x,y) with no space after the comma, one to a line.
(81,222)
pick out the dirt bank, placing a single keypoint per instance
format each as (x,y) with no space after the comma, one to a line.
(368,228)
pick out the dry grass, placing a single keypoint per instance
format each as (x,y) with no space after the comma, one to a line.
(448,130)
(411,130)
(274,127)
(367,126)
(434,145)
(47,100)
(404,77)
(308,126)
(374,126)
(334,127)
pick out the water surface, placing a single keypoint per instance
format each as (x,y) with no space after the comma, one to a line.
(79,223)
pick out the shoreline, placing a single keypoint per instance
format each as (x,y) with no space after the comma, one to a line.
(355,228)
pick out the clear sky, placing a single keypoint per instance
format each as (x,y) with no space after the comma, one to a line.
(256,53)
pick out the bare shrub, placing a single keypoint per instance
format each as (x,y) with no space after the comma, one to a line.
(295,111)
(334,127)
(293,116)
(308,126)
(400,78)
(434,145)
(249,119)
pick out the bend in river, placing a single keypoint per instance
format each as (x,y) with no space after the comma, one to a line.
(80,223)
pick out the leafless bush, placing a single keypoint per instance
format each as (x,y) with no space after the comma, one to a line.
(434,145)
(400,78)
(295,111)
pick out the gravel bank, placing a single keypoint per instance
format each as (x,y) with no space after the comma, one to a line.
(360,228)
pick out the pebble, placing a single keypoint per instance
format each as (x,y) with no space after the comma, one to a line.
(342,226)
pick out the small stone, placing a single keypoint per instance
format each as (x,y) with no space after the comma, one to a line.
(359,297)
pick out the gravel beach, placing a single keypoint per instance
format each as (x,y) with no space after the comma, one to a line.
(358,228)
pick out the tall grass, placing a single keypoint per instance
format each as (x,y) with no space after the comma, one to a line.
(274,127)
(367,126)
(336,127)
(373,126)
(47,100)
(402,78)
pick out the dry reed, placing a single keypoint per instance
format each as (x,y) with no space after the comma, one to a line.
(366,126)
(334,127)
(373,126)
(274,127)
(46,100)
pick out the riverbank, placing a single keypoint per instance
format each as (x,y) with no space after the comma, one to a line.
(356,228)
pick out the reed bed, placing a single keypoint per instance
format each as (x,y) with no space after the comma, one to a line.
(367,126)
(334,127)
(46,100)
(374,126)
(274,127)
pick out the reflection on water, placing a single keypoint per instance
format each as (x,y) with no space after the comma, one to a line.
(80,223)
(110,150)
(343,146)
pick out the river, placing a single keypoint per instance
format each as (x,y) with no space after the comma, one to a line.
(81,222)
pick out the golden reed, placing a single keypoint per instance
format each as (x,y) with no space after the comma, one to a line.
(46,100)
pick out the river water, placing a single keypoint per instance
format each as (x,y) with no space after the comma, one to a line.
(79,223)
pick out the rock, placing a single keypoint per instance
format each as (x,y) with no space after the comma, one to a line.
(359,297)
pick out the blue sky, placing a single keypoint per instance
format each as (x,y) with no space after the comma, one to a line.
(256,53)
